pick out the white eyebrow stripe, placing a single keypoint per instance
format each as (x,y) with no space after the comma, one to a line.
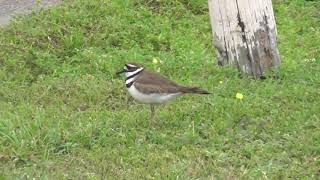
(131,65)
(128,74)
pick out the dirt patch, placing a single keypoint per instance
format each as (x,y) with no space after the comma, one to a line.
(9,8)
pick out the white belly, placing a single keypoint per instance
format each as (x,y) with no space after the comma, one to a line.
(151,98)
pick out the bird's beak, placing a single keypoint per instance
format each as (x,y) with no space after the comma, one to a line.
(120,72)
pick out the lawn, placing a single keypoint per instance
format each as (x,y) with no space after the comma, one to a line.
(65,114)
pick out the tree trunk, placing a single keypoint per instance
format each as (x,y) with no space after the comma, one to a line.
(245,34)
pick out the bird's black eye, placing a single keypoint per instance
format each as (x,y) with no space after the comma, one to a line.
(127,67)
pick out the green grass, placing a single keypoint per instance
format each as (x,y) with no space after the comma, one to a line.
(64,114)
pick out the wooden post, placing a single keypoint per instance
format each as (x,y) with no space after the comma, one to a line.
(245,34)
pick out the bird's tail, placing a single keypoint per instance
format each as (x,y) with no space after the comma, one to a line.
(195,90)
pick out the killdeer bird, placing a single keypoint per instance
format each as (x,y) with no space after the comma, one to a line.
(153,88)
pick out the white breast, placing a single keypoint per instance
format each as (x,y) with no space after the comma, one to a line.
(151,98)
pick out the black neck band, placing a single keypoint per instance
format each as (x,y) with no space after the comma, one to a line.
(129,84)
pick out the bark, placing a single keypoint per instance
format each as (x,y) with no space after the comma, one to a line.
(245,34)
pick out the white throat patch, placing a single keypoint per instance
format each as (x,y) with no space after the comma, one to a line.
(131,76)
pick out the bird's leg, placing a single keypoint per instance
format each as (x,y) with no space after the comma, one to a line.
(152,114)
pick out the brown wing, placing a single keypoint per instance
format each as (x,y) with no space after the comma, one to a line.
(149,82)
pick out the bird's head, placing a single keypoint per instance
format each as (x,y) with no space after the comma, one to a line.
(131,69)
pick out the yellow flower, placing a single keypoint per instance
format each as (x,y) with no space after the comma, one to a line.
(220,82)
(239,96)
(155,61)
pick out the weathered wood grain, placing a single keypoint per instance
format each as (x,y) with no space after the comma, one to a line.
(245,34)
